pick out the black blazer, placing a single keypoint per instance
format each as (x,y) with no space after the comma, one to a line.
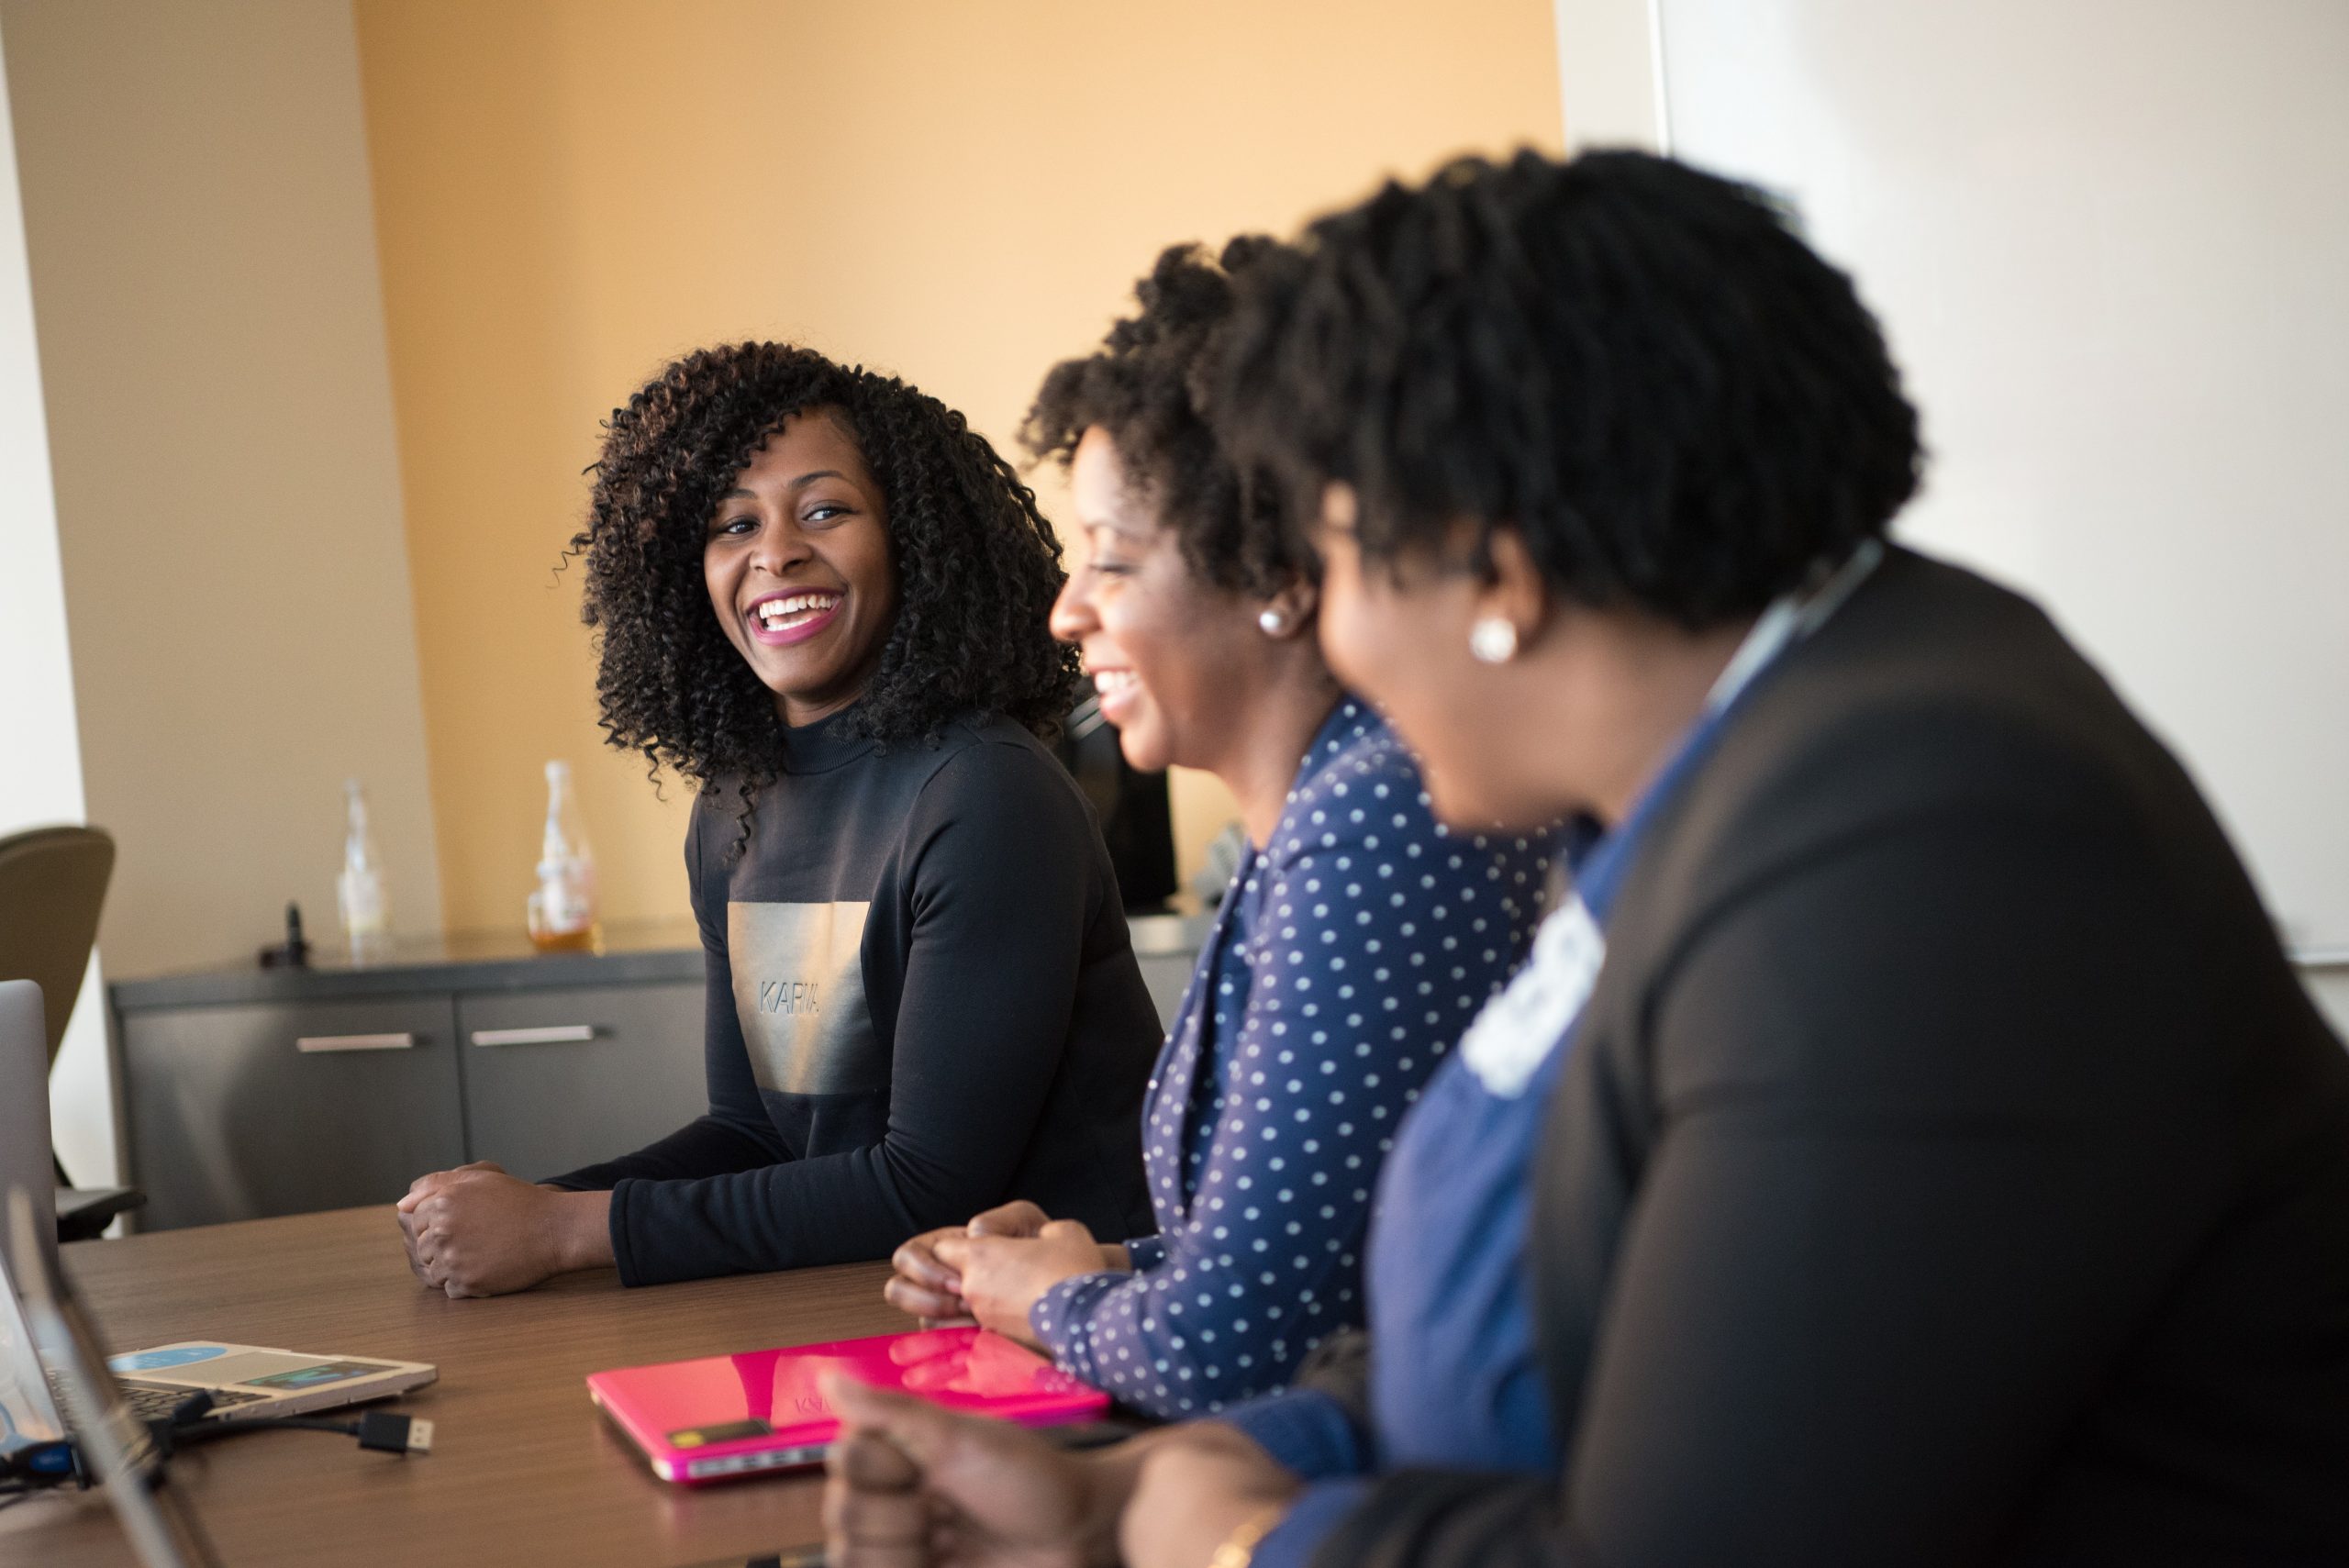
(1950,1168)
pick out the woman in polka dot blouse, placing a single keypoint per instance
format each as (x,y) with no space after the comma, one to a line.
(1355,943)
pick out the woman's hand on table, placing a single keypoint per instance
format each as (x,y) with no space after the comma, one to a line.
(1197,1487)
(908,1483)
(476,1230)
(925,1286)
(999,1278)
(931,1289)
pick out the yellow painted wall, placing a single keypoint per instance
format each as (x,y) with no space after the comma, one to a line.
(221,423)
(570,191)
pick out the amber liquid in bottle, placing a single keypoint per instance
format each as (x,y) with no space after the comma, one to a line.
(562,913)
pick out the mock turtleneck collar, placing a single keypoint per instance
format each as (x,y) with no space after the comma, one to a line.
(820,747)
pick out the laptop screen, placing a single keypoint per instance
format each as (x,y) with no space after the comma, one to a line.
(25,1157)
(27,1414)
(114,1443)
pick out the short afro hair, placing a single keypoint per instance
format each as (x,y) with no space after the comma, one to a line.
(1144,386)
(1639,366)
(977,566)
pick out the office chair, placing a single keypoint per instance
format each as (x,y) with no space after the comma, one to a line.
(52,885)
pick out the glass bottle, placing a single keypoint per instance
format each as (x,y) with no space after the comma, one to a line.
(563,907)
(366,906)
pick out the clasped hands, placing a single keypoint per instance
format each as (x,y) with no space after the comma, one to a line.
(476,1230)
(995,1268)
(910,1483)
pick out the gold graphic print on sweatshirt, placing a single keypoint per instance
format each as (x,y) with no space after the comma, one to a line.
(799,994)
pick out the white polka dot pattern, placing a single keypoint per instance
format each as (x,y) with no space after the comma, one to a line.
(1346,959)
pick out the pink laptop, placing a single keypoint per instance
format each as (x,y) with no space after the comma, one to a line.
(723,1417)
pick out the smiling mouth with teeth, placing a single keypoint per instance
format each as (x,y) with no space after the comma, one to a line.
(795,609)
(1110,682)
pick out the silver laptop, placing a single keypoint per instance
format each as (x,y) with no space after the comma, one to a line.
(47,1339)
(244,1380)
(25,1159)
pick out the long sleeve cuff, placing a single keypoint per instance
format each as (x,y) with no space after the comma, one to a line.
(623,1236)
(1062,1321)
(596,1178)
(1308,1522)
(1309,1433)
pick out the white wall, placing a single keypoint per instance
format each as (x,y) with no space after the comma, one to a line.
(1610,74)
(40,759)
(2107,242)
(198,215)
(2329,986)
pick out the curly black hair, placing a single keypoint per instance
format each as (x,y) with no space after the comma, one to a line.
(1144,386)
(1676,401)
(977,566)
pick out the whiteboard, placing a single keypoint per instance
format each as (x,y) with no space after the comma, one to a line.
(2109,243)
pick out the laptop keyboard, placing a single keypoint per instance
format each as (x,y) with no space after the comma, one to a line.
(150,1402)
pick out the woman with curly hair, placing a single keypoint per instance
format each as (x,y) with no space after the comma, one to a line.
(1299,1046)
(822,599)
(1909,1144)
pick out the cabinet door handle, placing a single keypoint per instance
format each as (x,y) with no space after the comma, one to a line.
(553,1034)
(312,1042)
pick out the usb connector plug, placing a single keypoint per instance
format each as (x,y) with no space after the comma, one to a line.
(387,1431)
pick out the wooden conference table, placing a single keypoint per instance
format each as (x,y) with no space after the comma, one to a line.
(523,1469)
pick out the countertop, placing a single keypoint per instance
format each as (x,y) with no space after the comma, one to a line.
(632,952)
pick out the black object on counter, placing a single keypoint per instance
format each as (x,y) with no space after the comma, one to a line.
(295,952)
(1137,820)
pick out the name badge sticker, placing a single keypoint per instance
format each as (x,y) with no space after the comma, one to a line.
(1519,1028)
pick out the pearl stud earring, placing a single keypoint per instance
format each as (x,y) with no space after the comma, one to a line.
(1493,640)
(1273,623)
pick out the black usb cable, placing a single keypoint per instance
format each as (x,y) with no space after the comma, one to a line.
(386,1431)
(38,1467)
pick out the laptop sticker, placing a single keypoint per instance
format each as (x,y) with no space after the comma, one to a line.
(169,1356)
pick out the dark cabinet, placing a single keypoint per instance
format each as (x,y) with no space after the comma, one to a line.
(559,1079)
(239,1112)
(1166,975)
(249,1092)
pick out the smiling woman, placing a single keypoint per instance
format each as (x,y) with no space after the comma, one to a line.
(1354,942)
(797,564)
(778,447)
(822,599)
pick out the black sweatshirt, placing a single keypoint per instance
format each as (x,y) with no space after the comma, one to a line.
(923,1002)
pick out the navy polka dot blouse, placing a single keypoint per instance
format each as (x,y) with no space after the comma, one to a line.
(1347,957)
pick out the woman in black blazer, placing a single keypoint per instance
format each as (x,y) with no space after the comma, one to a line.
(1943,1164)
